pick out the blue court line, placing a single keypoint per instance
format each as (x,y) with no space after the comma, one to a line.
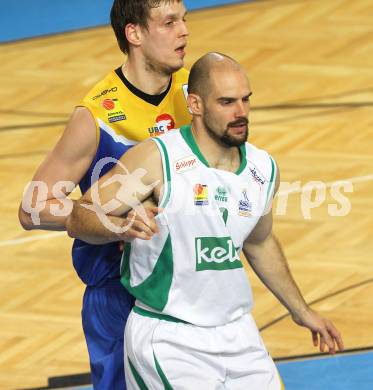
(21,19)
(339,372)
(80,388)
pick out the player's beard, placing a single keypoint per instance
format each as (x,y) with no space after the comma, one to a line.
(226,138)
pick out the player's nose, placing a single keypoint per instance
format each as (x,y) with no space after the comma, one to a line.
(184,32)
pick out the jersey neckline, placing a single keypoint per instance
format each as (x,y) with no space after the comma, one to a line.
(154,100)
(187,134)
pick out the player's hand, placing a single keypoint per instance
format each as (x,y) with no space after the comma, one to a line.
(138,227)
(324,333)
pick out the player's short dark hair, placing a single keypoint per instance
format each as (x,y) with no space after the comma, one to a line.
(124,12)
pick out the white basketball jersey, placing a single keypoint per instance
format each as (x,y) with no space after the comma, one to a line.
(192,270)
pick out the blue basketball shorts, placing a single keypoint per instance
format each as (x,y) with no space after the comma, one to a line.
(104,315)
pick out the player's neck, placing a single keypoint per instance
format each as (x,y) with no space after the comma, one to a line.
(217,154)
(146,80)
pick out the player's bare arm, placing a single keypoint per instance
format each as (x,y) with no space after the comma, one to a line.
(68,161)
(137,178)
(266,257)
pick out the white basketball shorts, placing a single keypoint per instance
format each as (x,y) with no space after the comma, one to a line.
(167,354)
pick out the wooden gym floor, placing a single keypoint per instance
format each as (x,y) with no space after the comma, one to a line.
(310,65)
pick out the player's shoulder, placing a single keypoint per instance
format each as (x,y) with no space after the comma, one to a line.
(259,161)
(253,151)
(105,97)
(102,89)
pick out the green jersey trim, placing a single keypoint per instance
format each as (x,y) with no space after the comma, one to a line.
(161,374)
(153,291)
(166,172)
(140,382)
(159,316)
(272,180)
(187,134)
(243,164)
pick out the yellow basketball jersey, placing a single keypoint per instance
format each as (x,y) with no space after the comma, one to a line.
(122,120)
(113,104)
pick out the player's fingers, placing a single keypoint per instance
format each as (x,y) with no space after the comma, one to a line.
(136,221)
(322,344)
(315,338)
(151,222)
(154,210)
(340,343)
(336,336)
(131,234)
(136,229)
(131,215)
(326,339)
(140,226)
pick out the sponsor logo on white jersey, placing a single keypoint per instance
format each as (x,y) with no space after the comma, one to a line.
(216,253)
(221,194)
(201,194)
(257,176)
(245,207)
(185,164)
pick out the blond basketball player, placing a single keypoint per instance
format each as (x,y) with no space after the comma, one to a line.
(142,98)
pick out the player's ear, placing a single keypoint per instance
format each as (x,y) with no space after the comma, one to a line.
(195,104)
(133,34)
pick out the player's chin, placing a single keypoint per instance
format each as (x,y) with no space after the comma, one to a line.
(238,137)
(177,62)
(233,140)
(238,141)
(175,66)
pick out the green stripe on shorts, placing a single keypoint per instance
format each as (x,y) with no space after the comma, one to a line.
(140,382)
(162,375)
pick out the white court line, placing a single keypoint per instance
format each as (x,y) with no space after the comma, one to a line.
(17,241)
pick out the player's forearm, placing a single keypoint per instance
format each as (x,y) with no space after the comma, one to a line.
(269,263)
(93,226)
(51,217)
